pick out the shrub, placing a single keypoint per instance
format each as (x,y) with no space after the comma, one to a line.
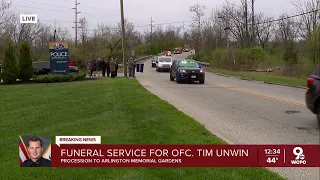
(219,57)
(190,56)
(10,70)
(25,62)
(52,78)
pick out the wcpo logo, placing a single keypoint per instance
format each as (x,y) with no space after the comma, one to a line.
(28,18)
(300,158)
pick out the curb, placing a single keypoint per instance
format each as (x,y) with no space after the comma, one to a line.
(246,79)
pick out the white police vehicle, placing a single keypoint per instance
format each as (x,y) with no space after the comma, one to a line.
(163,63)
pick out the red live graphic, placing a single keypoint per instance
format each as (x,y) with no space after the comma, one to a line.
(103,155)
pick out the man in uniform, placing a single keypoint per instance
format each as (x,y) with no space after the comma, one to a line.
(131,66)
(35,150)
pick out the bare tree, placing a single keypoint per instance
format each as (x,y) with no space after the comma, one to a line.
(307,21)
(110,38)
(4,7)
(287,32)
(198,11)
(84,33)
(264,29)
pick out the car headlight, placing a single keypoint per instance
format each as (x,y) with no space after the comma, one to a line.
(182,71)
(201,71)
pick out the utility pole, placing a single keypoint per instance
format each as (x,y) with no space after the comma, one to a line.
(183,40)
(227,30)
(246,21)
(199,38)
(55,31)
(123,40)
(76,22)
(227,36)
(317,29)
(151,36)
(253,24)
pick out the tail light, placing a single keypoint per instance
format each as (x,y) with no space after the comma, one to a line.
(309,82)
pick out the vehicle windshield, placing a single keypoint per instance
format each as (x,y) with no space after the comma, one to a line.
(165,60)
(189,64)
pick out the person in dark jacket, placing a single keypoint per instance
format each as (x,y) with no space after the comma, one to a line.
(94,65)
(113,68)
(108,67)
(117,67)
(103,67)
(99,64)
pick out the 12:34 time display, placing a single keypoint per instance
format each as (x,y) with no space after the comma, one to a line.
(272,151)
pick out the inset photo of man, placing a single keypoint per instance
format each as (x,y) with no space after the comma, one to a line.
(35,151)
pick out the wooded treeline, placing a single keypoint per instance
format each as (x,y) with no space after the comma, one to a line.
(289,43)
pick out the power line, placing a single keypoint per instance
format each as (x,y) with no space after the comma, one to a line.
(288,17)
(187,21)
(43,8)
(54,21)
(47,4)
(59,10)
(178,22)
(87,5)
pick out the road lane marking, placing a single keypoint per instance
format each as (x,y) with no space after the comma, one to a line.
(260,95)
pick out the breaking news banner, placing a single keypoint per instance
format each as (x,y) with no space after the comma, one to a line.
(35,151)
(87,151)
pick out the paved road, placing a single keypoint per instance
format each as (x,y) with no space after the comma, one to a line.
(242,112)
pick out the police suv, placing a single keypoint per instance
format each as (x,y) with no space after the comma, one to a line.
(163,63)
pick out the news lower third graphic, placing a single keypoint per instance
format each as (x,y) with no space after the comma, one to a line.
(33,149)
(87,151)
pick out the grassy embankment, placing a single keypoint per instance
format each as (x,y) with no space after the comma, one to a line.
(259,76)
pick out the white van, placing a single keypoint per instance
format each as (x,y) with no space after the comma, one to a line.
(163,63)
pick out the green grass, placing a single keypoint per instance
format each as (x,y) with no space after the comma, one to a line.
(120,110)
(261,76)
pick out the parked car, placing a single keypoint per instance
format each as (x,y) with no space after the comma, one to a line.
(74,69)
(313,93)
(186,50)
(163,63)
(177,51)
(43,68)
(186,70)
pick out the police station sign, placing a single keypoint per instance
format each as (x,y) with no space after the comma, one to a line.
(59,57)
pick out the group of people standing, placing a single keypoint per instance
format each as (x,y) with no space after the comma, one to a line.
(110,66)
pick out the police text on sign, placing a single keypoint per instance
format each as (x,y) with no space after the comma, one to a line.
(28,18)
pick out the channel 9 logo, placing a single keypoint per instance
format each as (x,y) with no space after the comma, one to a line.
(300,158)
